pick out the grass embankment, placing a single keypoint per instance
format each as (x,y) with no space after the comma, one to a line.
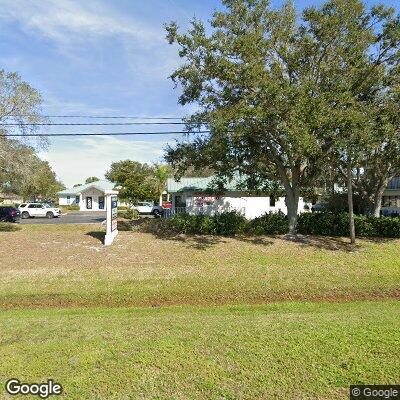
(67,266)
(276,351)
(65,297)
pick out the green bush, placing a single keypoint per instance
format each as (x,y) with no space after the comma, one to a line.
(331,224)
(269,224)
(9,227)
(71,207)
(128,214)
(229,223)
(388,227)
(324,224)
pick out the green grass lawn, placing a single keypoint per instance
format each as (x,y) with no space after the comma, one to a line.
(197,317)
(277,351)
(67,266)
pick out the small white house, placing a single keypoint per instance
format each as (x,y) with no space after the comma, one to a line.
(192,196)
(89,197)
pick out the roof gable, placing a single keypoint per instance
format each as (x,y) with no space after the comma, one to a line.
(102,185)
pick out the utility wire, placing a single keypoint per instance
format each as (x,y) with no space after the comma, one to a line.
(99,134)
(102,117)
(92,124)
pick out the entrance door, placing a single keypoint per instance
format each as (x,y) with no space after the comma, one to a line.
(88,203)
(101,202)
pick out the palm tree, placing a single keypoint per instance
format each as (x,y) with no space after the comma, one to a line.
(161,172)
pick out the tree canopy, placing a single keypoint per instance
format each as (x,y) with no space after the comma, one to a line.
(281,94)
(92,179)
(22,172)
(136,180)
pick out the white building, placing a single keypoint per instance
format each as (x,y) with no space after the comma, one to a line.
(89,197)
(192,196)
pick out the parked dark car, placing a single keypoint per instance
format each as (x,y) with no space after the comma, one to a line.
(319,207)
(9,214)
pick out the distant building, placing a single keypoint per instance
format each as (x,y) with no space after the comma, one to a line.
(391,198)
(193,196)
(89,197)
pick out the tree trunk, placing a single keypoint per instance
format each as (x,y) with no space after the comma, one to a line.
(292,203)
(160,200)
(378,203)
(350,203)
(378,197)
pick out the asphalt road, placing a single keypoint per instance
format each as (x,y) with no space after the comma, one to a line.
(95,217)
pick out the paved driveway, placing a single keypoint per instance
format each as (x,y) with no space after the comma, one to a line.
(82,217)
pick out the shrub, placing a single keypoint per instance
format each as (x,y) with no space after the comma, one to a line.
(331,224)
(8,227)
(324,224)
(388,227)
(269,224)
(229,223)
(71,207)
(128,214)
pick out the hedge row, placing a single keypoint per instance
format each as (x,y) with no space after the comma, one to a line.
(326,223)
(338,225)
(229,223)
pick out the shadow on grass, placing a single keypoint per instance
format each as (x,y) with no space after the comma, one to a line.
(9,227)
(199,242)
(333,243)
(100,235)
(159,230)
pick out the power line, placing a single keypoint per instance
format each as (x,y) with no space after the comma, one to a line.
(99,134)
(92,124)
(103,117)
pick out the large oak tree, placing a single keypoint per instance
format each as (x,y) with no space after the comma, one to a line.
(280,95)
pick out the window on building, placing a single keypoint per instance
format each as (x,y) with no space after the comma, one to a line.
(77,199)
(391,201)
(272,201)
(68,199)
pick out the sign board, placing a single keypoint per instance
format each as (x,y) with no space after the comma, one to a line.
(114,213)
(111,201)
(201,201)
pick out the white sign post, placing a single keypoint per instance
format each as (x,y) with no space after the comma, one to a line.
(111,201)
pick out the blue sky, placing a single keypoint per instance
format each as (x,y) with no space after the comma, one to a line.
(100,58)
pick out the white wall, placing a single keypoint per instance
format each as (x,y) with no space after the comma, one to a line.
(250,207)
(94,194)
(63,200)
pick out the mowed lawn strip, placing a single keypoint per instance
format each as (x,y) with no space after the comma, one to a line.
(287,350)
(67,266)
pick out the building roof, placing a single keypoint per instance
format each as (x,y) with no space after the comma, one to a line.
(199,185)
(99,185)
(394,183)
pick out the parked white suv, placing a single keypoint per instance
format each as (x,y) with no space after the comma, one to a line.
(149,208)
(31,210)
